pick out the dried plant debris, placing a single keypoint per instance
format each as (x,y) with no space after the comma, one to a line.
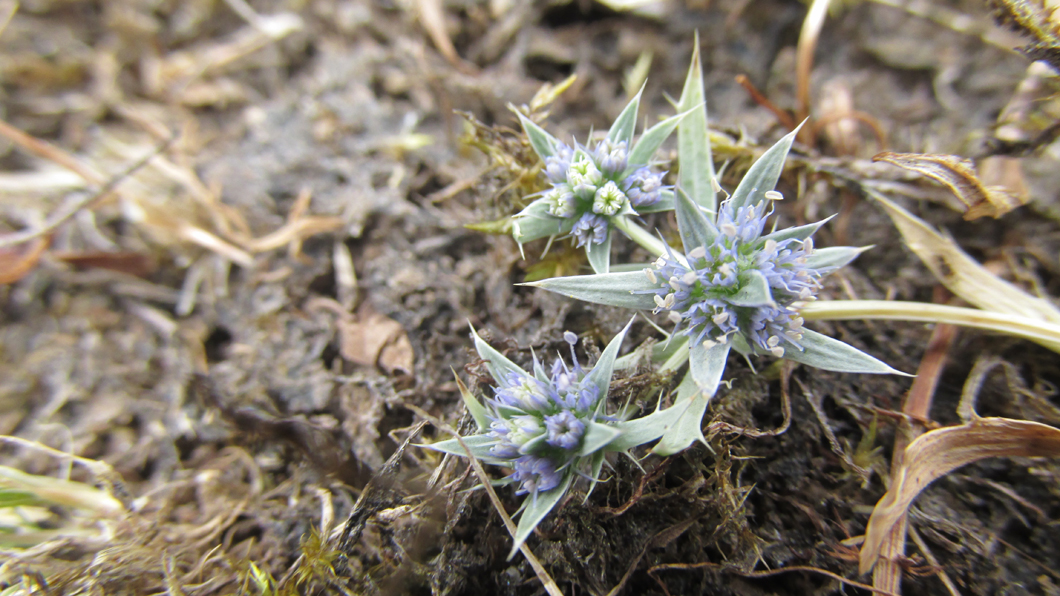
(1035,19)
(941,451)
(959,176)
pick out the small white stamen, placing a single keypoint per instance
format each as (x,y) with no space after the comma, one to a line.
(720,318)
(698,252)
(669,302)
(770,246)
(729,229)
(807,245)
(773,341)
(660,263)
(651,275)
(689,278)
(714,184)
(675,283)
(659,301)
(674,316)
(709,343)
(795,324)
(773,195)
(777,351)
(723,339)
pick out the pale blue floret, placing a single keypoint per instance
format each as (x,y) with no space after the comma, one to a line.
(589,229)
(535,475)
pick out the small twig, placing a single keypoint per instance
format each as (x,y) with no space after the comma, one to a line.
(808,36)
(770,573)
(783,117)
(67,211)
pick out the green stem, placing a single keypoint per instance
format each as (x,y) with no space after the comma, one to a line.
(639,235)
(1036,330)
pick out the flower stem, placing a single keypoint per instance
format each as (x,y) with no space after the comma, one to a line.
(639,235)
(1036,330)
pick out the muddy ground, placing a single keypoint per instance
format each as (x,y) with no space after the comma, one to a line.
(243,327)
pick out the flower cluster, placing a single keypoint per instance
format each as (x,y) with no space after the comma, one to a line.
(539,425)
(705,292)
(590,186)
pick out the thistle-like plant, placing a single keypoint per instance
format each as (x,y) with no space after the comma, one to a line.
(731,285)
(596,190)
(550,427)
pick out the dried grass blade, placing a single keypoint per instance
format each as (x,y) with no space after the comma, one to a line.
(961,274)
(939,452)
(959,176)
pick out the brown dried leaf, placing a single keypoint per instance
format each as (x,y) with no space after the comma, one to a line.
(373,339)
(961,274)
(959,176)
(939,452)
(17,261)
(133,263)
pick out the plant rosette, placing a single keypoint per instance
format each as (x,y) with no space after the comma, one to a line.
(550,427)
(596,190)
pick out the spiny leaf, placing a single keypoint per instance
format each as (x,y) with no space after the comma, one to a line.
(763,175)
(599,255)
(821,351)
(543,143)
(693,139)
(612,289)
(834,257)
(652,138)
(695,227)
(498,365)
(626,123)
(536,510)
(600,375)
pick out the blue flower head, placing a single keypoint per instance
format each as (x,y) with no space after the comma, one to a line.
(595,188)
(547,426)
(705,291)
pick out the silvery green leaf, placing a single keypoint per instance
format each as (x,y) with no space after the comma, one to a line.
(600,254)
(479,445)
(600,375)
(693,139)
(648,428)
(498,365)
(652,138)
(628,267)
(834,257)
(824,352)
(474,406)
(626,123)
(707,366)
(539,371)
(612,289)
(543,143)
(597,436)
(688,428)
(754,290)
(665,203)
(798,233)
(763,175)
(534,223)
(536,509)
(532,445)
(676,353)
(695,227)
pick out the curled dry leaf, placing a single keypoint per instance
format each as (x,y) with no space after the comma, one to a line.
(373,339)
(959,176)
(961,274)
(939,452)
(17,261)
